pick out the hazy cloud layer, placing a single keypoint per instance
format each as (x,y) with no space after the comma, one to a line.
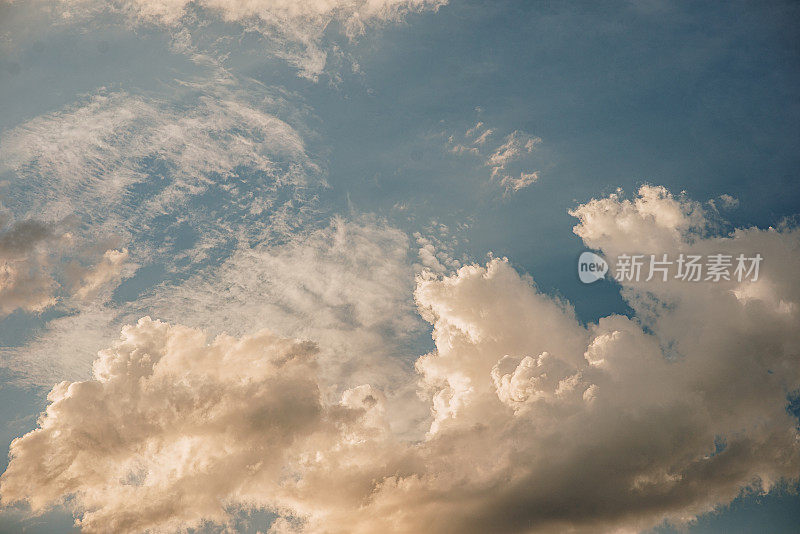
(25,281)
(122,181)
(122,160)
(537,422)
(347,286)
(292,29)
(43,262)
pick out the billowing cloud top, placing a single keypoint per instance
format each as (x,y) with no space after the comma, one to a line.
(537,423)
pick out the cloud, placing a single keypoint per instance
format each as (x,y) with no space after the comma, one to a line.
(110,142)
(315,11)
(479,133)
(346,286)
(293,30)
(110,270)
(179,184)
(33,255)
(515,183)
(724,201)
(175,180)
(125,163)
(537,423)
(654,221)
(25,281)
(515,146)
(436,249)
(514,151)
(172,417)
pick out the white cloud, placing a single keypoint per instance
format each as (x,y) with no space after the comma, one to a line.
(172,418)
(654,221)
(725,201)
(435,251)
(515,151)
(316,11)
(109,271)
(125,162)
(65,348)
(216,165)
(537,422)
(293,28)
(479,133)
(106,144)
(134,170)
(346,286)
(515,183)
(515,146)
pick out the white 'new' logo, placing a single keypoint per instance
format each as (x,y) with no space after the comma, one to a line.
(591,267)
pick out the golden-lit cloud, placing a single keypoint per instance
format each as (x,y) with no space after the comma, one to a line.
(537,422)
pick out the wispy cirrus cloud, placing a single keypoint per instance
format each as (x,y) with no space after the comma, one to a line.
(292,30)
(122,161)
(507,159)
(169,185)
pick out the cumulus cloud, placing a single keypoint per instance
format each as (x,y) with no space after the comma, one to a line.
(654,221)
(173,416)
(436,249)
(537,423)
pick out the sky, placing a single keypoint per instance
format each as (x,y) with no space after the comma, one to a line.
(312,266)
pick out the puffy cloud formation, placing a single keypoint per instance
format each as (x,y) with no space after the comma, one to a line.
(174,423)
(653,222)
(537,422)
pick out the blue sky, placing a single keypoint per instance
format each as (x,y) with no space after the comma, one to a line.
(221,160)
